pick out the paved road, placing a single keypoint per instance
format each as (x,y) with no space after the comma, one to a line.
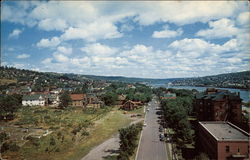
(108,148)
(150,147)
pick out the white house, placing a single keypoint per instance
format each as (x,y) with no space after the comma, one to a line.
(33,100)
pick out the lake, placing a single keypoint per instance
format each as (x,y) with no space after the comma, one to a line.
(244,94)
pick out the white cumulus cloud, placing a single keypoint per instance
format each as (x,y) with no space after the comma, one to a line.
(64,50)
(166,33)
(15,33)
(92,32)
(53,42)
(49,24)
(219,29)
(244,18)
(23,56)
(98,49)
(61,58)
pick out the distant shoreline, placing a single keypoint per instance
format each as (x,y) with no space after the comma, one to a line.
(246,89)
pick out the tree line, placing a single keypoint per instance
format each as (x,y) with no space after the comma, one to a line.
(176,112)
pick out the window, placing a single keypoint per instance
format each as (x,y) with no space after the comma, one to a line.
(227,148)
(238,149)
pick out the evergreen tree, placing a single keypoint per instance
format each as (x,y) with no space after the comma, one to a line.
(64,100)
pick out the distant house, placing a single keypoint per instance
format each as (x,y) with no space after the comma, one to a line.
(78,100)
(56,91)
(169,96)
(93,101)
(33,100)
(131,105)
(11,91)
(121,99)
(25,90)
(52,99)
(131,86)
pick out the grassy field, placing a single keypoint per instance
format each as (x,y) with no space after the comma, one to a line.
(73,132)
(137,111)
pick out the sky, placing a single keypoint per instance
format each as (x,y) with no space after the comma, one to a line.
(163,39)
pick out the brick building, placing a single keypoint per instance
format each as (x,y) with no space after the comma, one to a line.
(223,140)
(218,105)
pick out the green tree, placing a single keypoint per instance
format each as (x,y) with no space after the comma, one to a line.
(109,98)
(128,140)
(202,156)
(8,105)
(64,100)
(3,138)
(176,115)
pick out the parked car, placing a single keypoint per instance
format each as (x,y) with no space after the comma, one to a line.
(160,129)
(145,124)
(162,137)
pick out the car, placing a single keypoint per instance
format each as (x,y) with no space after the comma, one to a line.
(160,129)
(148,109)
(145,124)
(162,137)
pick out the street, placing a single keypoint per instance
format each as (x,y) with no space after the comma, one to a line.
(150,146)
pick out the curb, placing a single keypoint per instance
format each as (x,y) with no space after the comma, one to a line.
(140,137)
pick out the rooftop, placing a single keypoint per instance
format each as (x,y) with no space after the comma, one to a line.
(77,97)
(32,97)
(217,95)
(225,131)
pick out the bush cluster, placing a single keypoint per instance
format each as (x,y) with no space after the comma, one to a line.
(128,140)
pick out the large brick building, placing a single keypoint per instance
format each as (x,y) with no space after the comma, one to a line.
(218,105)
(223,140)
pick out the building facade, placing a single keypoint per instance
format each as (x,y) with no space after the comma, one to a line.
(218,105)
(131,105)
(223,140)
(78,100)
(33,100)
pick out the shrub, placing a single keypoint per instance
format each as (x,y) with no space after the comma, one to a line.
(85,133)
(57,150)
(52,141)
(128,138)
(12,146)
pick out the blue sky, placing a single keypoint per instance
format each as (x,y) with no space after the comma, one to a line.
(164,39)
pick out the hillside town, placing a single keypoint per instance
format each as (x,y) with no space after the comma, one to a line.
(124,80)
(188,120)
